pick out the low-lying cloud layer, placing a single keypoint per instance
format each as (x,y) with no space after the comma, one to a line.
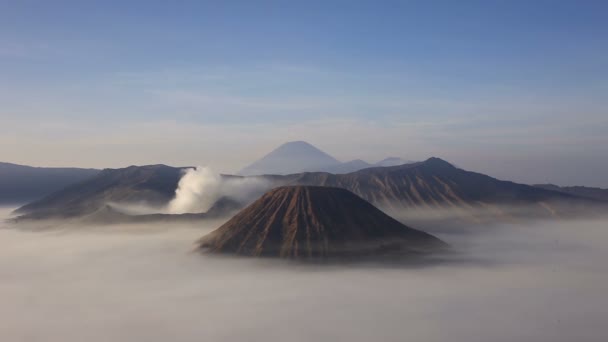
(544,281)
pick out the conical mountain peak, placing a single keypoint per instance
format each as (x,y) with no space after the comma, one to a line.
(314,222)
(291,157)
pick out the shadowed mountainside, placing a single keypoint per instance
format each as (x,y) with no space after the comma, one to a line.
(434,184)
(21,184)
(429,185)
(152,184)
(598,194)
(314,222)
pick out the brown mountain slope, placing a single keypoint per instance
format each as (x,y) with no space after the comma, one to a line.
(434,184)
(311,222)
(431,184)
(151,184)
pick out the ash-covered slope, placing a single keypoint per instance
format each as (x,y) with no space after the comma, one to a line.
(20,184)
(314,222)
(433,184)
(151,184)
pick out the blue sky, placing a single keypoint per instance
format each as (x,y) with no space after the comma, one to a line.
(516,89)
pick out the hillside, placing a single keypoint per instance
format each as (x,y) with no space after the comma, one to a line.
(428,185)
(436,184)
(598,194)
(21,184)
(152,185)
(307,222)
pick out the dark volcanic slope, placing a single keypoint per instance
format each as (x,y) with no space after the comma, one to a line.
(433,183)
(430,184)
(20,183)
(313,222)
(151,184)
(598,194)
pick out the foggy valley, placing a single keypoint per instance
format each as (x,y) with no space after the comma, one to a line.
(539,281)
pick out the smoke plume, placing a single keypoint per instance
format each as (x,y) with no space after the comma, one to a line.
(200,188)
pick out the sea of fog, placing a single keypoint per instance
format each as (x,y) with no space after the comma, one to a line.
(540,281)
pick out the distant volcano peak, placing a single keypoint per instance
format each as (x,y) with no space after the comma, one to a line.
(291,157)
(301,146)
(437,162)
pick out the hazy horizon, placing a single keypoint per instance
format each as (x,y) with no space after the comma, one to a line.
(520,174)
(516,90)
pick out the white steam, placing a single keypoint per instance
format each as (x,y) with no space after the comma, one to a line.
(200,188)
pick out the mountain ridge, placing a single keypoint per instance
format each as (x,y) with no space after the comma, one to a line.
(23,183)
(153,184)
(431,184)
(599,194)
(300,156)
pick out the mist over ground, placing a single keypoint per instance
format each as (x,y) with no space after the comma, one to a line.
(539,281)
